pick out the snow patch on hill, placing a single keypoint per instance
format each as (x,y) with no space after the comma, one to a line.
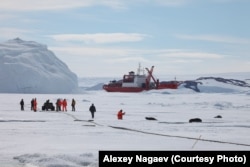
(217,85)
(29,67)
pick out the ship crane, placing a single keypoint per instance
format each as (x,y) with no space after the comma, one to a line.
(150,75)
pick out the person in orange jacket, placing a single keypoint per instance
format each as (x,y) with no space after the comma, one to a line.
(61,104)
(120,114)
(64,104)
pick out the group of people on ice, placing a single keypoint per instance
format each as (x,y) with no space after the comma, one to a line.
(61,105)
(33,105)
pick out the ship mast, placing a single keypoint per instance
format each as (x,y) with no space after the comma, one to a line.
(139,70)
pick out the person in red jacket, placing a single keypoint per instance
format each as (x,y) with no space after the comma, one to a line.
(64,104)
(120,114)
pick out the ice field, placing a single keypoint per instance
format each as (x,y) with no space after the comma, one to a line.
(50,138)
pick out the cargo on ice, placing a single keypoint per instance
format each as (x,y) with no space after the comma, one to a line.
(139,82)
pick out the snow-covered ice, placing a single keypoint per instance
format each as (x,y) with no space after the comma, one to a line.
(46,139)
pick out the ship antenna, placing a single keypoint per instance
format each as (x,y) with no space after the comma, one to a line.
(139,69)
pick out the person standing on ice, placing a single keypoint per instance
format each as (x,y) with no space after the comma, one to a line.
(32,104)
(35,105)
(120,114)
(64,104)
(61,105)
(22,105)
(73,103)
(92,109)
(57,105)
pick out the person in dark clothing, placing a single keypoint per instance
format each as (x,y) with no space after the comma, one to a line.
(92,109)
(73,103)
(35,105)
(47,105)
(32,104)
(58,105)
(22,105)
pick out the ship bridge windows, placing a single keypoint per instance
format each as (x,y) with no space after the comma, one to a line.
(131,73)
(128,78)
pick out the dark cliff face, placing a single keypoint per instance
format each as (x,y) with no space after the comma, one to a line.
(192,85)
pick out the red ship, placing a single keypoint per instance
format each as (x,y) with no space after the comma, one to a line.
(139,82)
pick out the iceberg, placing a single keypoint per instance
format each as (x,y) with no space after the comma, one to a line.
(29,67)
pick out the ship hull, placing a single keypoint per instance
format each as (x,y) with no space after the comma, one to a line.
(122,89)
(168,85)
(112,88)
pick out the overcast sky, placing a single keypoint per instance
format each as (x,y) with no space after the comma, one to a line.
(110,37)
